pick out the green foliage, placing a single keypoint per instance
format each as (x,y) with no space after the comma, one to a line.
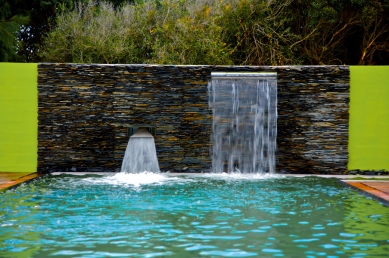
(340,31)
(9,26)
(258,32)
(80,37)
(31,33)
(186,32)
(240,32)
(166,32)
(24,24)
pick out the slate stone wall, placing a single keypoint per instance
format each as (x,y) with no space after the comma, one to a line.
(85,112)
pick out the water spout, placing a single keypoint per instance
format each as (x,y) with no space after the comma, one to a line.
(140,154)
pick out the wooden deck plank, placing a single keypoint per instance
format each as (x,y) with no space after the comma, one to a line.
(378,189)
(8,180)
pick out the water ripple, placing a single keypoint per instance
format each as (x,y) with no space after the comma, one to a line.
(189,216)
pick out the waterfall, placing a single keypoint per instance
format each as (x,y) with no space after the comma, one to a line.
(140,154)
(244,128)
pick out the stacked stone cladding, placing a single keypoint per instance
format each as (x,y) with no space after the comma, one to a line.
(85,110)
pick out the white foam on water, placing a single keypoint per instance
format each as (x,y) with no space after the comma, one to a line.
(136,179)
(150,178)
(240,176)
(146,178)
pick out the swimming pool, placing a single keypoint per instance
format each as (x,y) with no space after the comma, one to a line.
(152,215)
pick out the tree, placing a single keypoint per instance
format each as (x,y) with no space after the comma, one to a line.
(258,33)
(10,22)
(24,25)
(189,32)
(240,32)
(340,31)
(166,32)
(375,24)
(40,23)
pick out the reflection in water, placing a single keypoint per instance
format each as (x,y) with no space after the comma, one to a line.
(191,216)
(366,228)
(19,224)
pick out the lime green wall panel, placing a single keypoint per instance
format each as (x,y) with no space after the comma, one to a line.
(18,117)
(368,128)
(369,118)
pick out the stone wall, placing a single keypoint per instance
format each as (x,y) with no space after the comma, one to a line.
(85,112)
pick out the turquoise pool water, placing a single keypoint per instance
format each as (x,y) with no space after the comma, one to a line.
(149,215)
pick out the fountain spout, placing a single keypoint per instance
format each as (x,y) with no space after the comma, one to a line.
(140,154)
(142,133)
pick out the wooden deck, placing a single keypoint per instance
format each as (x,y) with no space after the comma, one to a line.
(8,179)
(380,189)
